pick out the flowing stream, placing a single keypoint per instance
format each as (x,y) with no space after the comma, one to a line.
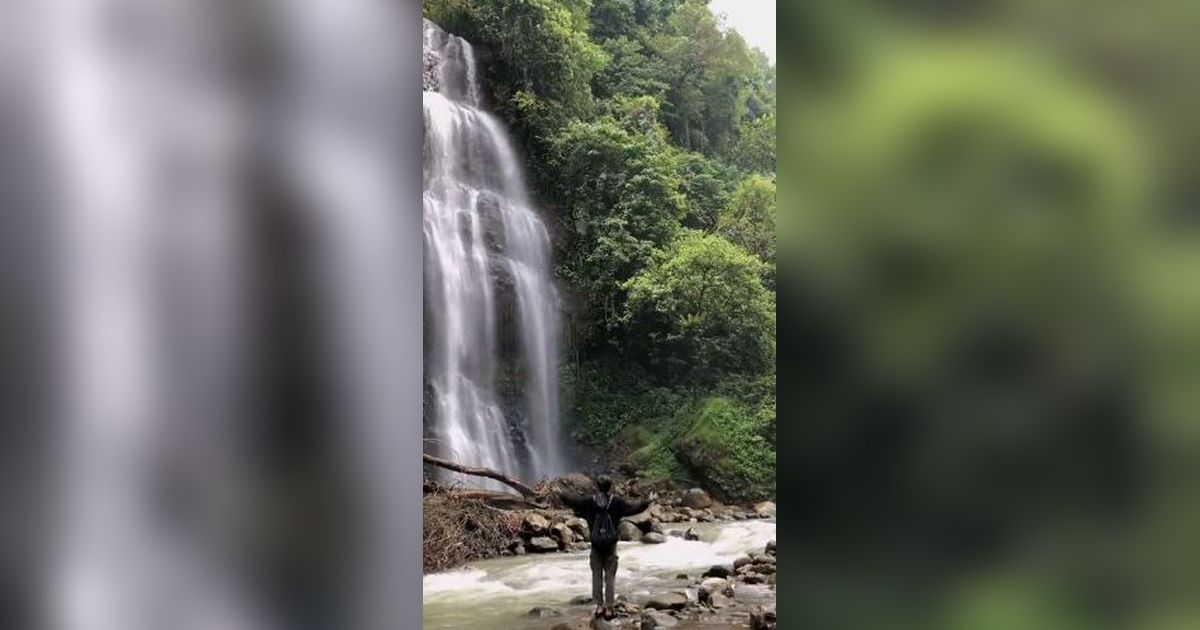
(487,279)
(498,593)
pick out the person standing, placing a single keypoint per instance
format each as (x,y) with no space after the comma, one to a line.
(603,511)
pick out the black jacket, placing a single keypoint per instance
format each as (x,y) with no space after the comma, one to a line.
(587,506)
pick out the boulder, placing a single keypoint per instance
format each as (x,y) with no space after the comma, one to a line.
(681,576)
(652,620)
(691,534)
(653,538)
(544,612)
(562,533)
(575,483)
(766,509)
(717,570)
(762,618)
(628,531)
(763,559)
(671,600)
(770,547)
(535,524)
(519,550)
(543,544)
(696,499)
(642,520)
(580,527)
(714,586)
(580,600)
(741,561)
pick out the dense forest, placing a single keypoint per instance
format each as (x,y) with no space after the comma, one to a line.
(648,132)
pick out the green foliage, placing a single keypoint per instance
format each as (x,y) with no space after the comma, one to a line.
(540,49)
(707,185)
(709,74)
(729,439)
(621,202)
(633,69)
(612,400)
(755,148)
(724,447)
(700,311)
(749,219)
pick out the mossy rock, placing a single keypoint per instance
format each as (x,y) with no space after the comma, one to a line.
(724,449)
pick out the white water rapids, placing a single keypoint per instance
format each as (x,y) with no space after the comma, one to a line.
(498,593)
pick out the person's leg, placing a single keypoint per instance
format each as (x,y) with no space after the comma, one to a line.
(610,578)
(597,562)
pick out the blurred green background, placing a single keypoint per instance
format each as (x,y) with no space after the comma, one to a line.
(989,297)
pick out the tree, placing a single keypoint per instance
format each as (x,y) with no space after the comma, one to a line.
(754,150)
(700,311)
(542,60)
(621,200)
(749,218)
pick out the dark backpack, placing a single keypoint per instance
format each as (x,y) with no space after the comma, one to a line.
(604,528)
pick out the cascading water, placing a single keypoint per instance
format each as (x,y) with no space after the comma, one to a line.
(486,254)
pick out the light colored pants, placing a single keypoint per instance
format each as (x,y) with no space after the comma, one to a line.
(604,575)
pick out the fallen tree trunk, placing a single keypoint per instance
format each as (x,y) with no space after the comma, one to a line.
(525,490)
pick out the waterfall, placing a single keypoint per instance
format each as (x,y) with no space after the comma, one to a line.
(487,263)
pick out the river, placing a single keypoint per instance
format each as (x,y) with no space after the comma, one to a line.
(494,594)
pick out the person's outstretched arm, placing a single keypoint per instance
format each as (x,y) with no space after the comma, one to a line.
(581,504)
(628,506)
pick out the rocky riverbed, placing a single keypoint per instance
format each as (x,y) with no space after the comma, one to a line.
(547,531)
(704,572)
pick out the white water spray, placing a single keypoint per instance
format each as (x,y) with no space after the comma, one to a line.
(487,255)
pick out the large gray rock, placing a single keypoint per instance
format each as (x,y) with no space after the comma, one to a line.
(696,499)
(717,570)
(543,612)
(628,531)
(535,524)
(671,600)
(575,483)
(714,586)
(580,527)
(643,520)
(766,509)
(652,620)
(562,533)
(741,561)
(543,544)
(653,538)
(762,618)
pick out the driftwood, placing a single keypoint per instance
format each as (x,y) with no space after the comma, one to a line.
(526,491)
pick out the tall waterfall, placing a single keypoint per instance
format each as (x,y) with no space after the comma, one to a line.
(487,278)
